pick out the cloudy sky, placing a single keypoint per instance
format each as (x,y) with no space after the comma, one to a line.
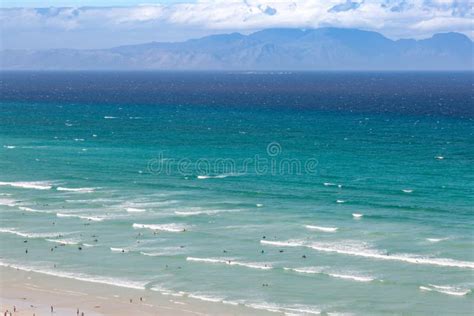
(36,24)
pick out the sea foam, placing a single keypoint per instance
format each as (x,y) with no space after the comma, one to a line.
(324,271)
(8,202)
(79,276)
(36,185)
(31,210)
(446,289)
(219,176)
(174,228)
(232,262)
(321,228)
(135,210)
(88,218)
(203,212)
(30,235)
(64,241)
(435,240)
(354,250)
(122,250)
(78,190)
(295,309)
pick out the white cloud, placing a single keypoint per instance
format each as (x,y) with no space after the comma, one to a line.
(394,18)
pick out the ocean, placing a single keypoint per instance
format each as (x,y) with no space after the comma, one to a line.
(298,193)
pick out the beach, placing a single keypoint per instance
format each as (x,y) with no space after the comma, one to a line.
(35,293)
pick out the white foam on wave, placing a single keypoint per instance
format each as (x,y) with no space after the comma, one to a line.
(64,241)
(203,177)
(198,296)
(232,262)
(36,185)
(203,212)
(78,190)
(446,289)
(122,250)
(146,204)
(324,271)
(135,210)
(88,218)
(80,277)
(8,202)
(360,250)
(340,201)
(330,184)
(435,240)
(407,190)
(31,235)
(357,278)
(166,251)
(309,270)
(9,146)
(31,210)
(259,205)
(206,298)
(296,309)
(357,215)
(173,228)
(287,310)
(219,176)
(165,291)
(153,254)
(91,201)
(110,117)
(321,228)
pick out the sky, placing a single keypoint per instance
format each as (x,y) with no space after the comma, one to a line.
(79,3)
(89,24)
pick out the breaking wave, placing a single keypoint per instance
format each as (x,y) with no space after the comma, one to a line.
(357,250)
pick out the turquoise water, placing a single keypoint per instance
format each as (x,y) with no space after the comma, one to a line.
(374,216)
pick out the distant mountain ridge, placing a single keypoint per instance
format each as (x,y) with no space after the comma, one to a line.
(270,49)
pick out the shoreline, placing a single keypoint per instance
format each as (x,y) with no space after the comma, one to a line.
(33,293)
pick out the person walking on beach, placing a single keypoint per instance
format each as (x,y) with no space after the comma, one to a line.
(52,309)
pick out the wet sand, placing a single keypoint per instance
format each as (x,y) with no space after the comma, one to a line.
(34,293)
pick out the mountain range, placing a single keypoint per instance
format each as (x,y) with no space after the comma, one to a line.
(269,49)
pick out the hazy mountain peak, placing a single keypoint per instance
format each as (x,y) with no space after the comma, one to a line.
(326,48)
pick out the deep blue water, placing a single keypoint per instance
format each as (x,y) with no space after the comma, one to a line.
(430,93)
